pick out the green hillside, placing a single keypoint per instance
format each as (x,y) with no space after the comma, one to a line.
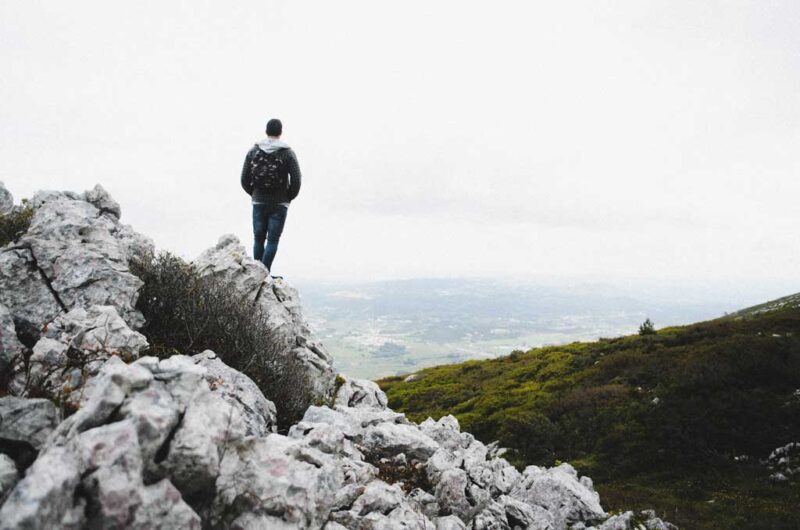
(656,420)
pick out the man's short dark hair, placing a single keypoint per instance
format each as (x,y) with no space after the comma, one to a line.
(274,127)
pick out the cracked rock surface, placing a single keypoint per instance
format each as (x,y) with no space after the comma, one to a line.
(75,254)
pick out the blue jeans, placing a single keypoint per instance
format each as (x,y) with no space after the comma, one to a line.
(268,221)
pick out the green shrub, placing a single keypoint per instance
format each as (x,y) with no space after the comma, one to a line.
(15,224)
(647,328)
(187,314)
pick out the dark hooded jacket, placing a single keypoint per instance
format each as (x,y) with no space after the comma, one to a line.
(281,150)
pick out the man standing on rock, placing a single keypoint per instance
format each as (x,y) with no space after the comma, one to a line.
(271,176)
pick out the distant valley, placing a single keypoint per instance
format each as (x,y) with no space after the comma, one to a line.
(387,328)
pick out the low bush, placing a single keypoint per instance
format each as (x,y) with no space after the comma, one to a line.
(187,314)
(409,475)
(13,225)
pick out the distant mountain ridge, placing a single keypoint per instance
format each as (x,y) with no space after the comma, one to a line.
(787,302)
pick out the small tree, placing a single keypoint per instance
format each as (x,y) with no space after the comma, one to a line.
(647,328)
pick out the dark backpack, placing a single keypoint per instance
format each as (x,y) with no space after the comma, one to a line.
(268,172)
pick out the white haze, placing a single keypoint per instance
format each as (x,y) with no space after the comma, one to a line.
(563,139)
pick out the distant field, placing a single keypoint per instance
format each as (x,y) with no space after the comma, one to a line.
(386,328)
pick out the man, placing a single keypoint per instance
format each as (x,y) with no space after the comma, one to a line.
(271,176)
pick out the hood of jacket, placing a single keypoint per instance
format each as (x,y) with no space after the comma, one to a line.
(270,145)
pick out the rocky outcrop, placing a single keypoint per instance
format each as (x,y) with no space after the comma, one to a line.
(27,421)
(259,414)
(359,393)
(189,442)
(75,254)
(6,200)
(171,443)
(10,346)
(9,476)
(73,348)
(784,462)
(278,301)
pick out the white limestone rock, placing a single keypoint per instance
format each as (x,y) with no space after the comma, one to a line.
(24,291)
(73,348)
(451,494)
(446,432)
(258,413)
(8,476)
(210,427)
(559,491)
(10,346)
(6,200)
(352,422)
(111,463)
(155,413)
(73,255)
(506,512)
(276,475)
(163,508)
(389,439)
(449,522)
(784,461)
(380,497)
(44,498)
(230,262)
(102,200)
(28,421)
(360,393)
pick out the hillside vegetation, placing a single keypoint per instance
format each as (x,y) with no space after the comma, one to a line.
(659,420)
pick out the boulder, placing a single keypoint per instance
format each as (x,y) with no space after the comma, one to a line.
(276,475)
(6,200)
(451,494)
(10,346)
(389,439)
(209,427)
(506,512)
(784,462)
(75,254)
(559,491)
(27,421)
(380,497)
(102,200)
(259,414)
(74,347)
(163,508)
(449,522)
(44,498)
(25,291)
(111,466)
(360,393)
(8,476)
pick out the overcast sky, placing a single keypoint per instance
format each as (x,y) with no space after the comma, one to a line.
(436,138)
